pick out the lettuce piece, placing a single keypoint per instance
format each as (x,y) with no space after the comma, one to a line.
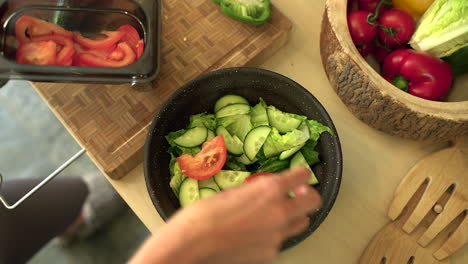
(203,120)
(233,164)
(177,177)
(177,151)
(277,143)
(273,165)
(173,135)
(316,129)
(443,29)
(310,155)
(259,115)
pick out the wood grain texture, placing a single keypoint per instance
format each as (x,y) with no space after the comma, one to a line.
(373,100)
(111,121)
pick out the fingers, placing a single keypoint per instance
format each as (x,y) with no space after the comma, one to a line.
(292,179)
(297,226)
(307,200)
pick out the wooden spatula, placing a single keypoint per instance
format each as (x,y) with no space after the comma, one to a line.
(428,213)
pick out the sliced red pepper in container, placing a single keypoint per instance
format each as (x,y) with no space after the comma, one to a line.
(27,27)
(255,12)
(123,55)
(109,38)
(67,49)
(37,53)
(419,73)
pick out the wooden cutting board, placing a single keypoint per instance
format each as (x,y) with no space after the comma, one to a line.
(111,121)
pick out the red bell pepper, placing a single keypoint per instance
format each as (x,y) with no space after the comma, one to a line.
(38,53)
(30,26)
(123,55)
(67,50)
(418,73)
(110,39)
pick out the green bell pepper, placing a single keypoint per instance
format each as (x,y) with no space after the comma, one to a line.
(254,12)
(218,2)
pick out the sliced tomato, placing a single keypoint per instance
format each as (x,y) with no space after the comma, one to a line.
(140,48)
(131,35)
(38,53)
(123,55)
(27,27)
(66,51)
(258,174)
(209,161)
(111,38)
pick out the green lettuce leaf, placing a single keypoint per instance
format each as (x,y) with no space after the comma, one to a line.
(203,120)
(259,114)
(310,155)
(277,143)
(177,177)
(316,129)
(233,164)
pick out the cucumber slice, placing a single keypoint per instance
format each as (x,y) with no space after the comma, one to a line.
(229,100)
(254,140)
(210,136)
(246,161)
(206,192)
(282,121)
(305,129)
(229,179)
(259,115)
(299,160)
(234,109)
(288,153)
(208,183)
(188,192)
(233,144)
(192,138)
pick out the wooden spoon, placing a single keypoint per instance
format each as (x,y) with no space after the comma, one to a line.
(428,213)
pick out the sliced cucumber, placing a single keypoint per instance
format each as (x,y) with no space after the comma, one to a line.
(229,100)
(210,136)
(192,138)
(229,179)
(299,160)
(234,109)
(206,192)
(305,129)
(233,144)
(188,192)
(282,121)
(288,153)
(246,161)
(254,141)
(208,183)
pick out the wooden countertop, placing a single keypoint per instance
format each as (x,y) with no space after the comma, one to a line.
(374,163)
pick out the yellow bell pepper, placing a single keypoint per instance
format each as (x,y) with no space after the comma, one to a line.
(416,8)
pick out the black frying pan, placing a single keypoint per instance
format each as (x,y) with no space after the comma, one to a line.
(200,94)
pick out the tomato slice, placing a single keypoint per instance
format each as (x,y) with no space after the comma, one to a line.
(258,174)
(38,53)
(27,27)
(209,161)
(112,37)
(140,48)
(123,55)
(67,49)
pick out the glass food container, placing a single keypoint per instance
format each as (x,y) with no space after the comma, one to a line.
(89,17)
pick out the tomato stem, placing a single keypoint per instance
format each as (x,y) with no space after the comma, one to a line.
(401,83)
(373,16)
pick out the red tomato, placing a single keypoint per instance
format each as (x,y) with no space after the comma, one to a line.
(140,48)
(258,174)
(371,5)
(37,53)
(66,50)
(366,49)
(395,27)
(131,35)
(361,31)
(27,26)
(122,56)
(209,161)
(112,37)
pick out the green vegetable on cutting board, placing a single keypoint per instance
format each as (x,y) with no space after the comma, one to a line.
(443,29)
(255,12)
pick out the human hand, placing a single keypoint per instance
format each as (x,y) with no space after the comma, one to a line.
(243,225)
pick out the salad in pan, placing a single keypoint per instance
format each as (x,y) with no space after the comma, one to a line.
(237,143)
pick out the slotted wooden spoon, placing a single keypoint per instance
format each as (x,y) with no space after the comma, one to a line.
(428,212)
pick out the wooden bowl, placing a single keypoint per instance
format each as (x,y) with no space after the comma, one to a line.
(377,102)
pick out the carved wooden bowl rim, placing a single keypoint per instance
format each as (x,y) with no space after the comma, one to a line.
(337,15)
